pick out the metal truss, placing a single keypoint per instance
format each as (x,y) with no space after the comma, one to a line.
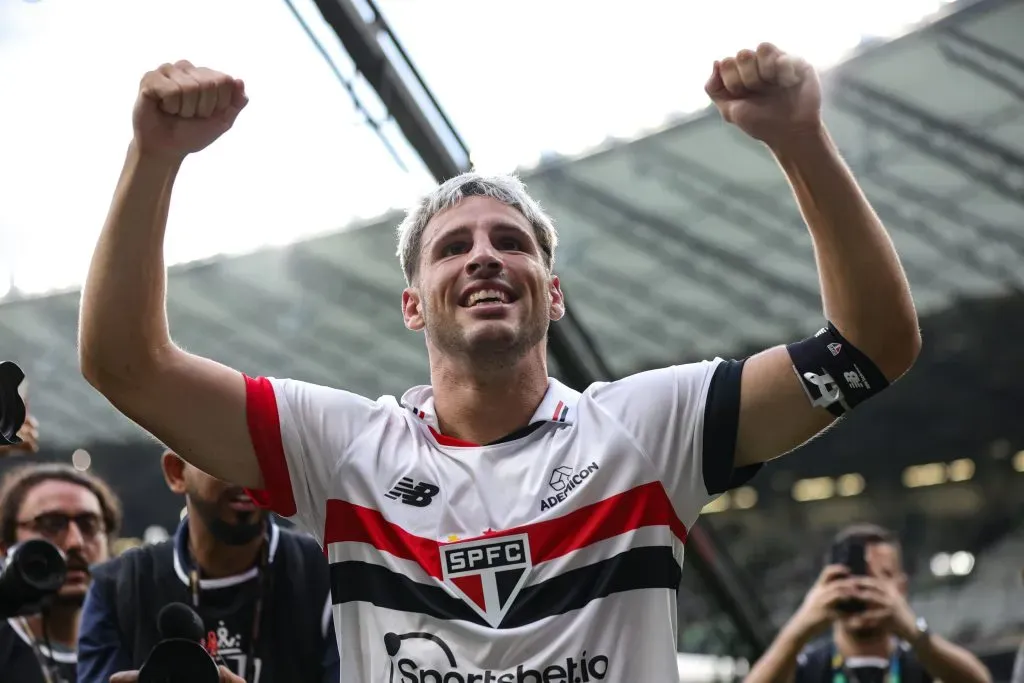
(924,200)
(972,154)
(779,223)
(983,59)
(618,288)
(660,252)
(719,195)
(701,253)
(382,61)
(44,341)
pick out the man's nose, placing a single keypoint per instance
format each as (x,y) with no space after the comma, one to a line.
(484,261)
(73,537)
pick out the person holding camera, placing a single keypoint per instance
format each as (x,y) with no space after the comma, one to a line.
(876,637)
(79,514)
(259,593)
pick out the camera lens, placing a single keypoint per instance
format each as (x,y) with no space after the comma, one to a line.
(41,565)
(12,408)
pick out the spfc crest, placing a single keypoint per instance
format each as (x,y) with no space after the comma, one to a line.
(487,573)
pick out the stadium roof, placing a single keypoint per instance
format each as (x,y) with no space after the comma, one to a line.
(679,245)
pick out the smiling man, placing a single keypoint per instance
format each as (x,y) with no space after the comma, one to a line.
(78,513)
(261,591)
(497,525)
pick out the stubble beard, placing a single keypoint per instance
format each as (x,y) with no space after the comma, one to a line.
(495,352)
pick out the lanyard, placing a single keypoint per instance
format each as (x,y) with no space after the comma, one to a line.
(262,576)
(842,674)
(47,663)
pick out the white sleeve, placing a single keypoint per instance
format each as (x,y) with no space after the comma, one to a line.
(301,433)
(684,419)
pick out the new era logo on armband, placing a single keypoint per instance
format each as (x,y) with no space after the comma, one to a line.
(415,493)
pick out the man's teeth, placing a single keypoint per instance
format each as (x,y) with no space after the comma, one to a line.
(486,294)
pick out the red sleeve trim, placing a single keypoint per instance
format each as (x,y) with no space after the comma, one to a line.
(265,432)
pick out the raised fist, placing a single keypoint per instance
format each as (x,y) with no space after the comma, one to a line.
(182,108)
(767,94)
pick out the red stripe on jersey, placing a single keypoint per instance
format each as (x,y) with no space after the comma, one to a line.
(349,522)
(265,432)
(643,506)
(558,410)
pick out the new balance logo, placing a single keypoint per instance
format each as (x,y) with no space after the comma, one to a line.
(417,494)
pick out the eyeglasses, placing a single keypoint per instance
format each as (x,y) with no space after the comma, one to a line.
(55,524)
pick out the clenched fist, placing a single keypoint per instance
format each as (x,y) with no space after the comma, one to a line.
(183,108)
(768,94)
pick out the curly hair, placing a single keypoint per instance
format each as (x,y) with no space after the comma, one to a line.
(16,484)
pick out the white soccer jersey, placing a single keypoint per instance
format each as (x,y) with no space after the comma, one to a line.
(551,556)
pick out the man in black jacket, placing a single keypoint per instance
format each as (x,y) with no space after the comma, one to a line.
(261,591)
(78,513)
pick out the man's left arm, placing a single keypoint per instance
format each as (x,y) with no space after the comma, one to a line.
(888,608)
(776,98)
(947,662)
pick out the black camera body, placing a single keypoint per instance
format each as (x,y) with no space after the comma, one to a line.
(850,553)
(33,572)
(12,407)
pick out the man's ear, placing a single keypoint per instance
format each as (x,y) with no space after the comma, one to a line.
(412,310)
(174,472)
(557,298)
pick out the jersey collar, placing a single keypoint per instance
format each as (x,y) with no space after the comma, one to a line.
(558,405)
(183,559)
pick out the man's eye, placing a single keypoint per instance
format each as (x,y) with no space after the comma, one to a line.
(454,248)
(510,243)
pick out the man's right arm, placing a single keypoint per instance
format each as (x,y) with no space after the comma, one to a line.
(196,406)
(779,663)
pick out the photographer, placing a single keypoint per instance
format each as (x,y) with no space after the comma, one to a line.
(875,635)
(79,514)
(261,592)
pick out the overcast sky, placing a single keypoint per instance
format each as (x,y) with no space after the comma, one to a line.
(518,79)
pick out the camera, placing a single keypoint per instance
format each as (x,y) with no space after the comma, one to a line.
(851,554)
(32,573)
(12,407)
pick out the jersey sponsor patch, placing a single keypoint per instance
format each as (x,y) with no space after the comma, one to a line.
(421,657)
(563,482)
(488,574)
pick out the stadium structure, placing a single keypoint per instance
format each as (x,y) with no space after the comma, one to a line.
(677,246)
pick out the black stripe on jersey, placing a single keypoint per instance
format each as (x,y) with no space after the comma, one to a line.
(635,569)
(364,582)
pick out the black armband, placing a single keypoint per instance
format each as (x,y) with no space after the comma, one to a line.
(835,375)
